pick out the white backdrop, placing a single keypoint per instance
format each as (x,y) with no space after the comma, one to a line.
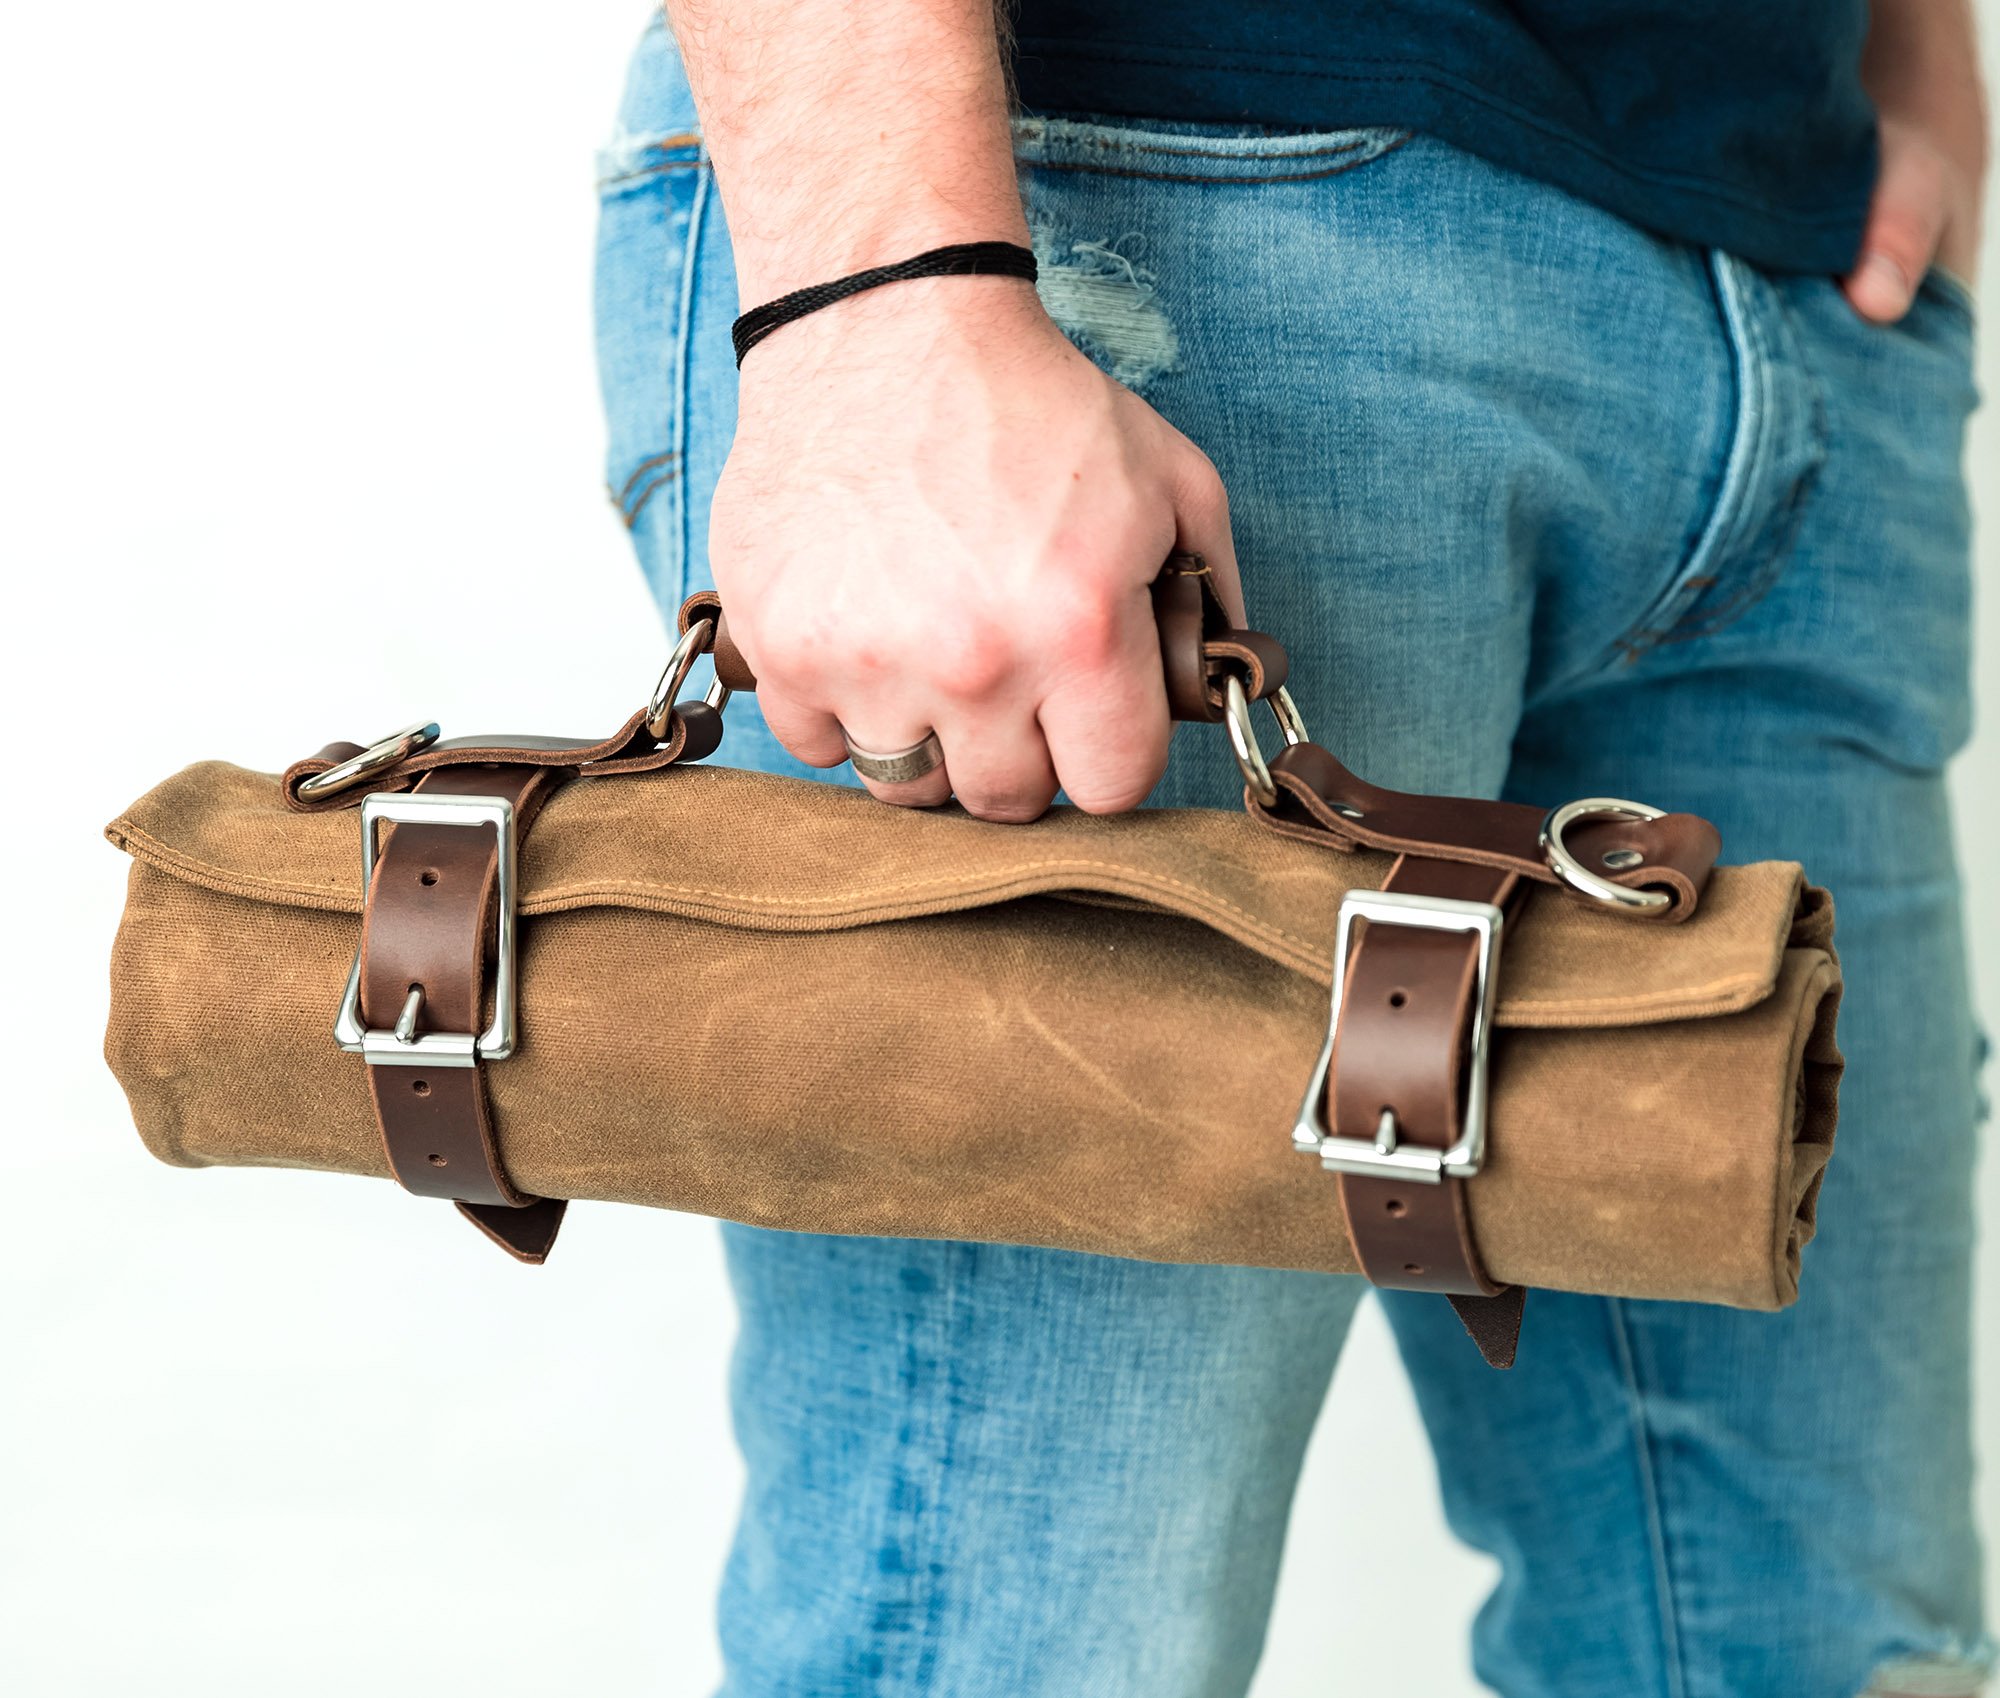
(297,378)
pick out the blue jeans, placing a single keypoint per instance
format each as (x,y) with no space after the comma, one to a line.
(1542,507)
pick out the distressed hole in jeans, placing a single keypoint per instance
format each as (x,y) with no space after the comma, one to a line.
(1103,298)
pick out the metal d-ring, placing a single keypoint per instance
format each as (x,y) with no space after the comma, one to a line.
(1243,736)
(1291,723)
(392,750)
(1580,878)
(692,646)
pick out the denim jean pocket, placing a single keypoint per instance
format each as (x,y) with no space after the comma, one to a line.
(1770,447)
(1181,151)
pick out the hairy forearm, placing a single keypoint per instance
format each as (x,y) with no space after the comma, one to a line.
(850,133)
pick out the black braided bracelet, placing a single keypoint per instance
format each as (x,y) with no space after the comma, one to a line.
(961,259)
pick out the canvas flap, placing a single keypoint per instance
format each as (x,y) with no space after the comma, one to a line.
(779,854)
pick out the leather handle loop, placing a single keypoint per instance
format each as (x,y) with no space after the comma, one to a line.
(1319,801)
(1198,643)
(732,671)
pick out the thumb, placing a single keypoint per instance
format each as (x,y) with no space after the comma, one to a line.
(1906,219)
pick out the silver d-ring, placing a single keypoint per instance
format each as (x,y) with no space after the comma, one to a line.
(1243,740)
(692,646)
(1579,877)
(392,750)
(1290,721)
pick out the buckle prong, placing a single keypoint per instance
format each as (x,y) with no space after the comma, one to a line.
(406,1022)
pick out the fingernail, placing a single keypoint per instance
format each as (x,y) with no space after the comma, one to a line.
(1892,274)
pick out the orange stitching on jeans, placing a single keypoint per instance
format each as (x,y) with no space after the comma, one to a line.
(640,470)
(645,495)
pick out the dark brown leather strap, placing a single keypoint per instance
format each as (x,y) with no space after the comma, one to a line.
(1320,801)
(1400,1056)
(429,922)
(694,734)
(1198,643)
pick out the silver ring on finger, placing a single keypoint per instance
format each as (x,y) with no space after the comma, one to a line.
(901,766)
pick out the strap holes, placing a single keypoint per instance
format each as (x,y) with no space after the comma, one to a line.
(1397,1207)
(1397,998)
(1622,860)
(1413,1267)
(421,1086)
(436,1161)
(428,876)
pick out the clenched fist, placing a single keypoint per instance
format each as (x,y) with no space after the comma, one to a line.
(938,516)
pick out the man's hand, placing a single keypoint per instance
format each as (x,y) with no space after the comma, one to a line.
(1921,68)
(938,515)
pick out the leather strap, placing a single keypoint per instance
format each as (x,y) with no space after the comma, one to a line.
(1198,643)
(1320,801)
(431,909)
(1401,1048)
(695,734)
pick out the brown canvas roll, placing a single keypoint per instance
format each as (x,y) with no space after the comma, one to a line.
(782,1003)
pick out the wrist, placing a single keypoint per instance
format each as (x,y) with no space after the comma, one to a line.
(894,332)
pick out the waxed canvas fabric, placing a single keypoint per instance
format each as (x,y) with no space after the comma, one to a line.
(782,1003)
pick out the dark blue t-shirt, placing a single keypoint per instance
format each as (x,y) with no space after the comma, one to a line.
(1738,124)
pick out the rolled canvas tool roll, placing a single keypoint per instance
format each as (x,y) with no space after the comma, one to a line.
(783,1003)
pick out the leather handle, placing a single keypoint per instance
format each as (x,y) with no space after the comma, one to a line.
(1199,643)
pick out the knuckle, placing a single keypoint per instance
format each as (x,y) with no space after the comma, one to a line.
(1205,482)
(1086,630)
(785,648)
(968,662)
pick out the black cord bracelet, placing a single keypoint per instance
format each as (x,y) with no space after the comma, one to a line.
(961,259)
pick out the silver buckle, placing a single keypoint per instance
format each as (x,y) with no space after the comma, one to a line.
(1385,1155)
(403,1045)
